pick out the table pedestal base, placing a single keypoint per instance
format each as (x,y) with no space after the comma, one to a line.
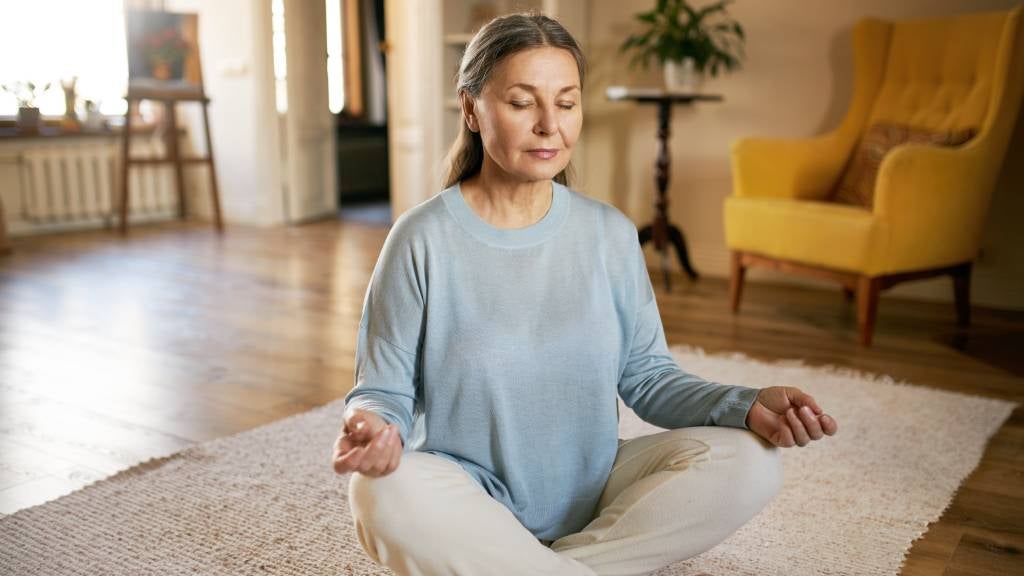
(675,237)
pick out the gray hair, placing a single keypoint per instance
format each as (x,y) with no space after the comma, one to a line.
(496,40)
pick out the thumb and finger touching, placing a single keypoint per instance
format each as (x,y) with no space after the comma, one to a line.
(363,445)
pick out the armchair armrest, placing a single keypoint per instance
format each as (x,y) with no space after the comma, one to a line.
(935,200)
(803,168)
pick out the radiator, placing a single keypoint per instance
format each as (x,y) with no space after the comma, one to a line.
(71,181)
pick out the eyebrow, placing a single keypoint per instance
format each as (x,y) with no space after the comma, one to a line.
(534,88)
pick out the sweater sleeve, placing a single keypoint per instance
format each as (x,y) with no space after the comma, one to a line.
(657,389)
(387,347)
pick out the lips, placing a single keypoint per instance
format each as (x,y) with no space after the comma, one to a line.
(543,153)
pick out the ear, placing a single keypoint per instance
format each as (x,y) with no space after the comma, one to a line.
(469,112)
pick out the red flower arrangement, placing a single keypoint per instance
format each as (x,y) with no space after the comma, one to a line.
(163,49)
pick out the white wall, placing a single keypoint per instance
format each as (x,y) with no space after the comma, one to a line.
(237,62)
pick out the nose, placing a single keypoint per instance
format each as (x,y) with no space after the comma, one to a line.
(547,124)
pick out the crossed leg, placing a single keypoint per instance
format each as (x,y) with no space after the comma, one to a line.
(669,496)
(430,518)
(673,495)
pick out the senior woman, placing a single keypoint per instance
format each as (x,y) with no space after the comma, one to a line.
(503,318)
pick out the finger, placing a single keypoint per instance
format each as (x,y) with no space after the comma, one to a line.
(364,425)
(389,451)
(377,454)
(799,433)
(829,424)
(343,443)
(396,454)
(785,435)
(350,460)
(805,399)
(810,422)
(360,429)
(338,450)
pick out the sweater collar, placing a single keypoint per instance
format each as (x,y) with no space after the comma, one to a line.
(531,235)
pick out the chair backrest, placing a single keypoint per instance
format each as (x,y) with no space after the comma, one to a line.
(948,74)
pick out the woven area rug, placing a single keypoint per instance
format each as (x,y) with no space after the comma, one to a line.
(266,501)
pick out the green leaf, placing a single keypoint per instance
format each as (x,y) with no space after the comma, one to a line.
(674,30)
(712,8)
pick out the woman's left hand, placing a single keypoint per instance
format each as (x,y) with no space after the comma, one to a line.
(785,416)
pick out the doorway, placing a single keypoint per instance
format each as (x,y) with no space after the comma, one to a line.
(329,69)
(362,131)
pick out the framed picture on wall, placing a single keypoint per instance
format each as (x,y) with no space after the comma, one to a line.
(163,52)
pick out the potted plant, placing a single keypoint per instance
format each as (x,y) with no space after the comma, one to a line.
(26,93)
(687,42)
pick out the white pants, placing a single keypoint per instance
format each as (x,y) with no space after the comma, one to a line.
(669,496)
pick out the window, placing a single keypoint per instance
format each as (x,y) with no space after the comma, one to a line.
(280,62)
(58,39)
(55,39)
(335,64)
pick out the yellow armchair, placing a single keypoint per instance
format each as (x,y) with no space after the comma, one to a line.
(930,202)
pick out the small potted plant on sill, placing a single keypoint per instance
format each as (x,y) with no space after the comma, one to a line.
(26,93)
(687,42)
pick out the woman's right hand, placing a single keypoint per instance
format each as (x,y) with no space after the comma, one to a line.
(367,444)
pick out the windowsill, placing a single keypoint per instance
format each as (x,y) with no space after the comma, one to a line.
(52,127)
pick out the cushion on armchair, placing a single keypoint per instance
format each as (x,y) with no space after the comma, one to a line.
(857,184)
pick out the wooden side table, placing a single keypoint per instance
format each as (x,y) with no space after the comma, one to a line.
(661,230)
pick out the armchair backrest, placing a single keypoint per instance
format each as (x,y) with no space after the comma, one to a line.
(948,74)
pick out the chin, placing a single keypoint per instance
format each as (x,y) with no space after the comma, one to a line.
(545,173)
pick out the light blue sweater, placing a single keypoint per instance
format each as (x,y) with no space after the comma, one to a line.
(503,350)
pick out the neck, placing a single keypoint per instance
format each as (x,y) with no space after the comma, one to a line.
(504,201)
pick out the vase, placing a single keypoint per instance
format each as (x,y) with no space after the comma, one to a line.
(161,69)
(28,119)
(682,76)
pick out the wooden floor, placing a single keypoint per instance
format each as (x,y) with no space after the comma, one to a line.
(113,351)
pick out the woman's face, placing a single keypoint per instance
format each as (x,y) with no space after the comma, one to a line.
(531,102)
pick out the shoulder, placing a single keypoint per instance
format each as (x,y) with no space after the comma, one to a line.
(617,228)
(417,224)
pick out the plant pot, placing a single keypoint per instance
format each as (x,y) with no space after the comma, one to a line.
(682,76)
(28,119)
(161,69)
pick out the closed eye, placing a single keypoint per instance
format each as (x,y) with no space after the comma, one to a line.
(527,105)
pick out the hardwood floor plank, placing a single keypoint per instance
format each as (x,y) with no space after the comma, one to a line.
(988,553)
(44,489)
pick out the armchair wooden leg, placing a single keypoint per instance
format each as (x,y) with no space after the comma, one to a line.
(868,289)
(736,280)
(962,294)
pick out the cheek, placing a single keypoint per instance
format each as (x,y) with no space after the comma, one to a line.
(571,128)
(509,131)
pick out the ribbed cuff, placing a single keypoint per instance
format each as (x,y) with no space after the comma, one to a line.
(733,411)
